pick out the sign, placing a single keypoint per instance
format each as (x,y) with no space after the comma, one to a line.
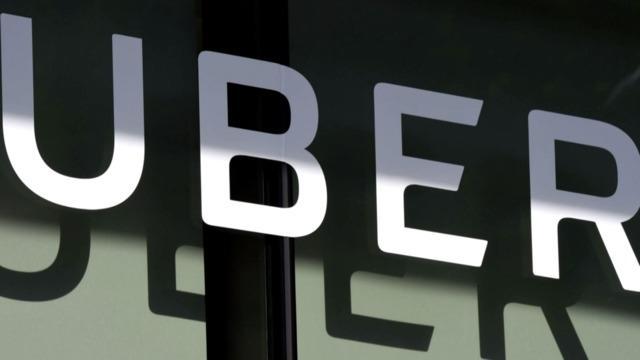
(219,143)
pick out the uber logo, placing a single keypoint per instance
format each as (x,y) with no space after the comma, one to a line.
(219,143)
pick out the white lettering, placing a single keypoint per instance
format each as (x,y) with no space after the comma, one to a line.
(394,172)
(550,205)
(120,180)
(219,143)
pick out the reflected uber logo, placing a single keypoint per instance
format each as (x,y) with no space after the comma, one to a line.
(219,143)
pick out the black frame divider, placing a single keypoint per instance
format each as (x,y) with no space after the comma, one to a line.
(250,301)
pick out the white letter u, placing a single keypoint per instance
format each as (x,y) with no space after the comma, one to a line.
(120,180)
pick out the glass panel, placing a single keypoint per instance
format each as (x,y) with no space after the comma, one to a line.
(126,282)
(355,301)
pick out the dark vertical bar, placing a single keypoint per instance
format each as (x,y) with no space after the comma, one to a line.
(240,264)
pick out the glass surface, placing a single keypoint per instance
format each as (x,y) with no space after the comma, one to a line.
(575,58)
(126,282)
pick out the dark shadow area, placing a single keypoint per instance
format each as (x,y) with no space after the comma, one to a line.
(342,323)
(163,240)
(564,333)
(63,275)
